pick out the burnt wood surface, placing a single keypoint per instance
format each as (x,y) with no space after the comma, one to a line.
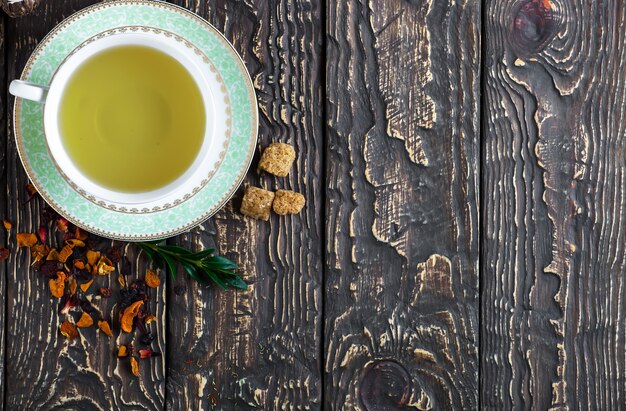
(461,247)
(401,291)
(553,266)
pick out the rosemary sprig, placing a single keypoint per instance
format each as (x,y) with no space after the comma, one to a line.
(201,266)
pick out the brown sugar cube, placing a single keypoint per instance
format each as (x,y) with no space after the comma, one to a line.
(288,202)
(277,159)
(257,203)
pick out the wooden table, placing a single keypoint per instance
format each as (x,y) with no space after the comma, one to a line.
(463,242)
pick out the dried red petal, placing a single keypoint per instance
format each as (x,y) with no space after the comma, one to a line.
(62,224)
(4,253)
(43,233)
(67,303)
(148,354)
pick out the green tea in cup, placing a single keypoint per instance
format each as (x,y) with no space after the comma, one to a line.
(131,118)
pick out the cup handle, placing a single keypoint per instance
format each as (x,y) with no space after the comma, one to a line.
(28,91)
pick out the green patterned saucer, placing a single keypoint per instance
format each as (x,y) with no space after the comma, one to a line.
(240,122)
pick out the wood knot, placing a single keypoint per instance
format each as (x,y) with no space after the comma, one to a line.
(385,385)
(534,24)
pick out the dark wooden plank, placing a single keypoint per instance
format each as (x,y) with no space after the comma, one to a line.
(554,168)
(3,200)
(259,349)
(401,302)
(43,370)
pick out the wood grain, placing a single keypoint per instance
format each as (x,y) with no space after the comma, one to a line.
(3,200)
(43,369)
(554,168)
(260,348)
(401,295)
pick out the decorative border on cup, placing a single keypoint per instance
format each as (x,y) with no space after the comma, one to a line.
(186,196)
(251,97)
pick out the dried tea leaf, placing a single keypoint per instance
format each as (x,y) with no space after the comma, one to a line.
(62,224)
(85,321)
(105,292)
(105,327)
(73,242)
(150,318)
(26,239)
(134,367)
(65,253)
(93,257)
(57,286)
(68,330)
(73,285)
(104,266)
(129,315)
(30,189)
(53,255)
(4,253)
(7,224)
(122,351)
(152,278)
(79,264)
(115,255)
(39,251)
(121,280)
(85,286)
(80,234)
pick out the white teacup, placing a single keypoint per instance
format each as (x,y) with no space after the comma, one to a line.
(217,120)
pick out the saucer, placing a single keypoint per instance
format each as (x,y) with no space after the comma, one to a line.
(173,215)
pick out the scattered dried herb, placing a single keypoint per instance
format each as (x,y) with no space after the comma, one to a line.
(149,319)
(68,303)
(80,234)
(122,351)
(105,292)
(105,327)
(26,239)
(134,367)
(104,266)
(128,316)
(73,286)
(68,330)
(4,253)
(62,225)
(42,233)
(85,321)
(65,253)
(7,225)
(148,354)
(85,286)
(32,192)
(92,257)
(57,285)
(152,278)
(201,266)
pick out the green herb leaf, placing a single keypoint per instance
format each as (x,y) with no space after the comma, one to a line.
(200,266)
